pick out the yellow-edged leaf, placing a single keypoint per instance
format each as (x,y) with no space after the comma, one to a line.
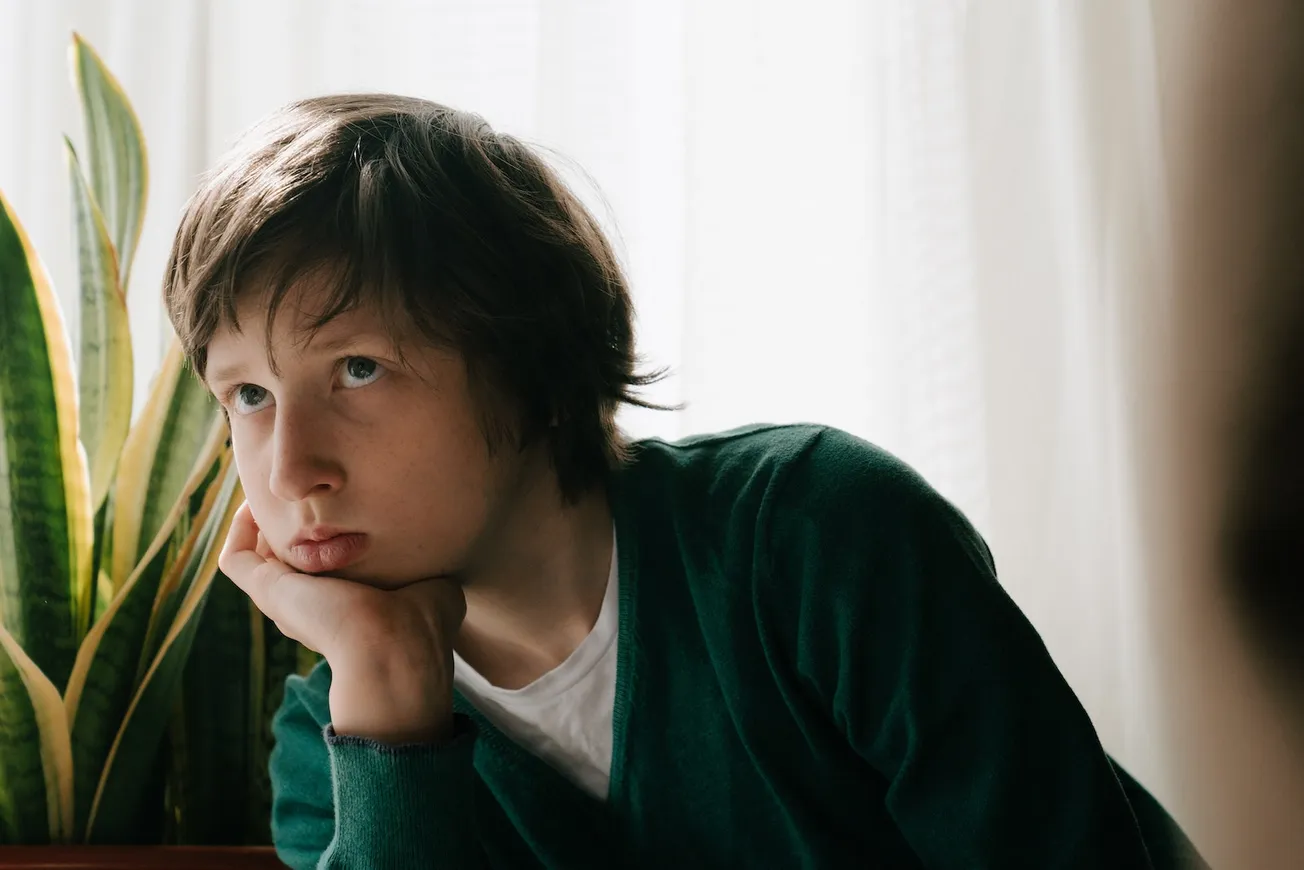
(36,756)
(154,556)
(103,597)
(117,161)
(173,589)
(158,459)
(105,677)
(221,698)
(116,808)
(46,521)
(105,381)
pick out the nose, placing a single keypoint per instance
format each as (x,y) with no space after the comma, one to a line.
(303,463)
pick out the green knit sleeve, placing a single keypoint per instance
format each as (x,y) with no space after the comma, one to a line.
(342,802)
(890,609)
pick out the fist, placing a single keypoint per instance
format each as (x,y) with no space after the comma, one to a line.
(389,650)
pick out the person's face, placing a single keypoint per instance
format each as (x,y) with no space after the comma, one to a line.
(353,465)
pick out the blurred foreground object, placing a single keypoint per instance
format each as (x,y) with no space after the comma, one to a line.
(1222,443)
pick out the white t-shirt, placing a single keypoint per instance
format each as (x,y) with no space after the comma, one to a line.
(565,716)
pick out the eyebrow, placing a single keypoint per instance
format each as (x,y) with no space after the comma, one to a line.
(233,371)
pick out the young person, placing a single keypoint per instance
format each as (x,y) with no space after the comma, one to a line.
(544,646)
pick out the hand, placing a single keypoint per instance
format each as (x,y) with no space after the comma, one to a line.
(390,650)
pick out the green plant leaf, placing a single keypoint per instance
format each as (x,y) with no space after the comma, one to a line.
(36,764)
(197,498)
(101,588)
(281,659)
(45,513)
(105,381)
(103,595)
(215,754)
(305,660)
(108,670)
(115,151)
(158,459)
(116,808)
(103,682)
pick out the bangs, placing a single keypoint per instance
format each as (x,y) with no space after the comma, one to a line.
(454,236)
(363,241)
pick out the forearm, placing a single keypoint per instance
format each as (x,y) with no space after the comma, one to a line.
(399,698)
(346,801)
(403,805)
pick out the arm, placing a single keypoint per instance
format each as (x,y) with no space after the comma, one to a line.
(395,787)
(348,802)
(938,681)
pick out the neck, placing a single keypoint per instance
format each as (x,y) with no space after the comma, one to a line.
(535,592)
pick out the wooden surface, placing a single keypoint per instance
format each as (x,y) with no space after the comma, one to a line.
(137,858)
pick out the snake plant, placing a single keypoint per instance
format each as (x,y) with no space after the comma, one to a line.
(136,683)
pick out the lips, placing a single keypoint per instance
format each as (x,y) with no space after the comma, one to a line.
(324,551)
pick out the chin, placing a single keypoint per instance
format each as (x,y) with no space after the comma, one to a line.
(376,578)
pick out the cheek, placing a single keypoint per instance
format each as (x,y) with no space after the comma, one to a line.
(254,481)
(437,495)
(442,480)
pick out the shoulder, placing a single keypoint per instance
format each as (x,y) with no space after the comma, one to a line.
(709,477)
(836,465)
(788,494)
(790,462)
(848,515)
(790,471)
(744,447)
(852,486)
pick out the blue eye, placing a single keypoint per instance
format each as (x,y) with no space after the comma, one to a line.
(248,398)
(361,371)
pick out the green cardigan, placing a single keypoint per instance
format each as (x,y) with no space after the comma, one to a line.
(817,668)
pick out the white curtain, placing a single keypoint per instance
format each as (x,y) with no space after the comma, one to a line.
(930,223)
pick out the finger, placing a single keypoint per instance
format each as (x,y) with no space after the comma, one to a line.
(276,590)
(312,610)
(308,609)
(242,561)
(253,574)
(243,535)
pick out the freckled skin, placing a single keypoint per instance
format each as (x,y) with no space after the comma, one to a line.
(346,437)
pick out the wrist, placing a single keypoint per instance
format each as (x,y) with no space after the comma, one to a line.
(393,699)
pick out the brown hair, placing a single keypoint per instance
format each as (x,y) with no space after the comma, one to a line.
(458,234)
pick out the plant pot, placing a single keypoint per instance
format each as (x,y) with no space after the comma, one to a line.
(139,858)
